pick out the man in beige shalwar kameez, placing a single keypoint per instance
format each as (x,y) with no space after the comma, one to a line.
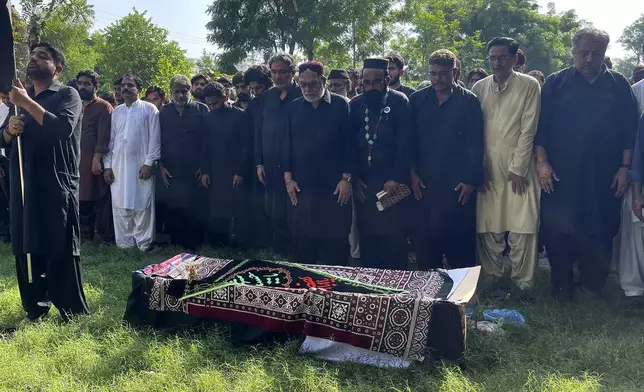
(509,200)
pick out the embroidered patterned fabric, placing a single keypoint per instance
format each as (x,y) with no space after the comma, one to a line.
(385,311)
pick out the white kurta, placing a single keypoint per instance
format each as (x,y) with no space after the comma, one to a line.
(135,140)
(511,116)
(638,90)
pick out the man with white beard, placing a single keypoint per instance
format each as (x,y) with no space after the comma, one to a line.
(135,146)
(319,152)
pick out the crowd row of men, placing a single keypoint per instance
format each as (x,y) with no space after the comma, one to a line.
(299,166)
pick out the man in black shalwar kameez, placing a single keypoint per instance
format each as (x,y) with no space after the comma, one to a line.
(258,78)
(182,137)
(269,154)
(447,129)
(380,122)
(318,154)
(584,146)
(225,166)
(48,227)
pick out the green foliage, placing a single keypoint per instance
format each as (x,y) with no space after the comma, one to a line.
(465,27)
(625,65)
(67,27)
(21,49)
(331,27)
(206,64)
(632,38)
(136,45)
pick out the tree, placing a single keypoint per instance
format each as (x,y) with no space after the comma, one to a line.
(136,45)
(625,65)
(240,27)
(632,38)
(206,64)
(465,27)
(545,38)
(436,24)
(36,12)
(65,24)
(21,48)
(67,27)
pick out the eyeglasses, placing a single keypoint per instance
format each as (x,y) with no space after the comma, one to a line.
(311,85)
(497,59)
(369,83)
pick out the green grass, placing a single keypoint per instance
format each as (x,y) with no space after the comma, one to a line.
(590,346)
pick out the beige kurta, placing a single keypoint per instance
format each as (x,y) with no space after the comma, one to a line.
(511,116)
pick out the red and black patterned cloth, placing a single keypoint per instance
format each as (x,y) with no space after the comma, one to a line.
(386,311)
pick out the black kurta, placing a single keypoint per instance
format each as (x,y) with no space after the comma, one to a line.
(51,154)
(391,159)
(408,91)
(226,153)
(318,149)
(584,129)
(270,130)
(182,137)
(48,226)
(448,149)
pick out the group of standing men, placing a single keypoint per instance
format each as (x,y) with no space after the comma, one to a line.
(488,167)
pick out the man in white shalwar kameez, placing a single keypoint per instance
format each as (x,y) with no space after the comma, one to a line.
(509,200)
(135,145)
(631,256)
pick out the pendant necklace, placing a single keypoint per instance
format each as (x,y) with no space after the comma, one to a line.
(371,135)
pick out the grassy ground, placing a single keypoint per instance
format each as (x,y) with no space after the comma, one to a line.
(589,346)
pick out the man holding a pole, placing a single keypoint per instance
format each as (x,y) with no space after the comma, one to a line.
(45,229)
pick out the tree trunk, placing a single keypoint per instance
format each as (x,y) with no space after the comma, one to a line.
(309,52)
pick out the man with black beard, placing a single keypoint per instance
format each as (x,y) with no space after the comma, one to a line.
(182,137)
(242,91)
(95,196)
(269,140)
(380,120)
(197,83)
(46,226)
(396,70)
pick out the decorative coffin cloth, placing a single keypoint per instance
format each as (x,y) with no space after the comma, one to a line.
(386,311)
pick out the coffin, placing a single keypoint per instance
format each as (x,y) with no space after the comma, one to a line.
(381,317)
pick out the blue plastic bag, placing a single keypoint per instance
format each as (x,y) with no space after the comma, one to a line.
(509,316)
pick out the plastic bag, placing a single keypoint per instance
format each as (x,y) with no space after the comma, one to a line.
(509,316)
